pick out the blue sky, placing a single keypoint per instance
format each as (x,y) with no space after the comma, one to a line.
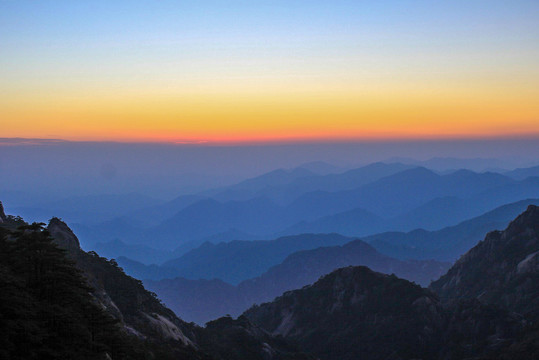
(106,55)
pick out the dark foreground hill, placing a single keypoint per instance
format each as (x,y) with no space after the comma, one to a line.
(59,302)
(50,310)
(355,313)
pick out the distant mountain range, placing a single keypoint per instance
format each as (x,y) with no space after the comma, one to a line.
(448,243)
(231,262)
(365,201)
(282,186)
(202,300)
(303,267)
(523,173)
(236,261)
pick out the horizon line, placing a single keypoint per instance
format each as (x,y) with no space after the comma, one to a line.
(30,141)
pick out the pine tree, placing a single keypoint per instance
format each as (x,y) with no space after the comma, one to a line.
(47,309)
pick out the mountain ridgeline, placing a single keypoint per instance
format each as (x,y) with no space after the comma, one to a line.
(449,243)
(202,300)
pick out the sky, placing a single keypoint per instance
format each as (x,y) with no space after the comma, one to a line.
(216,72)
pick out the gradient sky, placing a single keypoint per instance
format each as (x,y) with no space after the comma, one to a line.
(229,71)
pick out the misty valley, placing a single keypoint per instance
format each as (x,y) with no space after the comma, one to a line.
(389,260)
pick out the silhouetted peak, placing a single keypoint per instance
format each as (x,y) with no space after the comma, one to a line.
(522,234)
(358,276)
(526,224)
(357,301)
(2,213)
(350,271)
(530,217)
(63,235)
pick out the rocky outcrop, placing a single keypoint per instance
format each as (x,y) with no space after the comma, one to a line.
(2,213)
(63,235)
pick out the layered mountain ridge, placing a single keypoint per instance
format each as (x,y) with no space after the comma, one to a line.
(372,199)
(202,300)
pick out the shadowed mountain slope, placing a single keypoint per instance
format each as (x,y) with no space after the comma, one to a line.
(355,313)
(502,269)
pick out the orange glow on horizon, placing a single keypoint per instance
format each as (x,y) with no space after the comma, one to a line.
(199,72)
(261,118)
